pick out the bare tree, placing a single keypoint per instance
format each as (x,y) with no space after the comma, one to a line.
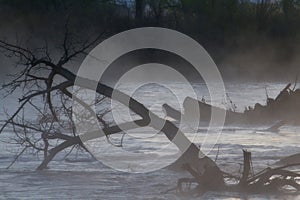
(37,69)
(54,131)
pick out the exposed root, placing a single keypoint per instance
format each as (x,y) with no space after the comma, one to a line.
(276,180)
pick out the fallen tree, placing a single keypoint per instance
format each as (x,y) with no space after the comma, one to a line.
(54,131)
(36,73)
(280,110)
(269,180)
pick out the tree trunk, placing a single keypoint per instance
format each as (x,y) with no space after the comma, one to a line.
(190,150)
(246,170)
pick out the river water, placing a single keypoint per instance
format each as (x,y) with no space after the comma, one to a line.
(80,177)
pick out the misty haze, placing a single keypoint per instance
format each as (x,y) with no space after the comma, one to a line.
(150,99)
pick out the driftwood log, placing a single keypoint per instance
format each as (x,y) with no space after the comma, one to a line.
(269,180)
(205,172)
(284,108)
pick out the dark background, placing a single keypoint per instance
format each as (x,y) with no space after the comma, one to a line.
(248,39)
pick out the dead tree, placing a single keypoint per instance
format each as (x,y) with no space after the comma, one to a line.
(269,180)
(30,62)
(54,132)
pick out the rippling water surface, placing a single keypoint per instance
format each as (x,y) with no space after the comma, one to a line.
(89,179)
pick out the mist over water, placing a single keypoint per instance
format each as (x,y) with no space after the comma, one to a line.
(255,45)
(89,178)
